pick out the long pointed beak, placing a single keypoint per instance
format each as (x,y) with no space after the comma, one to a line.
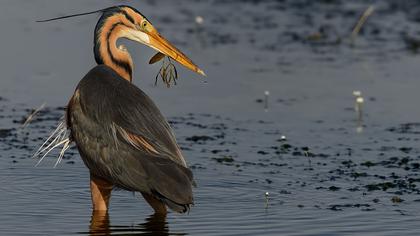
(156,41)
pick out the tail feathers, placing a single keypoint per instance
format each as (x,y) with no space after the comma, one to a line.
(169,182)
(176,207)
(180,208)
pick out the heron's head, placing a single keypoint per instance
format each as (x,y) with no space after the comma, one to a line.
(126,22)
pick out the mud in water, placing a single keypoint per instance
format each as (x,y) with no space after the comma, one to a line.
(276,139)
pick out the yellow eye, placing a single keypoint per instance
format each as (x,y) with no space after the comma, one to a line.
(144,24)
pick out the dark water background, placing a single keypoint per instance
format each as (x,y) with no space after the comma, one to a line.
(331,176)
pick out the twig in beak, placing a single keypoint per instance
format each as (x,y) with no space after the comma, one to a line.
(167,73)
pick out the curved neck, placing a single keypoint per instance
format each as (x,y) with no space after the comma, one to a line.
(108,30)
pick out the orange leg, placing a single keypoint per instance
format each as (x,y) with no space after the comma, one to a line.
(99,224)
(101,193)
(158,206)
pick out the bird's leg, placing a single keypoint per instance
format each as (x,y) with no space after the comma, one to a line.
(158,206)
(101,193)
(99,223)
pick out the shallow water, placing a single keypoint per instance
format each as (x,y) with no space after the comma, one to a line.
(332,175)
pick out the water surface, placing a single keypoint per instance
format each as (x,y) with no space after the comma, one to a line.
(332,175)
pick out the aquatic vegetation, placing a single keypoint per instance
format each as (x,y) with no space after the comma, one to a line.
(301,52)
(31,115)
(167,72)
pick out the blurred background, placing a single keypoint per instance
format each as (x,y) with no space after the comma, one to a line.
(306,124)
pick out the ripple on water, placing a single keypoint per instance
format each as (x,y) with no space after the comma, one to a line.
(321,180)
(308,186)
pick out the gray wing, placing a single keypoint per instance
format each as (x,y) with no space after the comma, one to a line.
(111,100)
(122,137)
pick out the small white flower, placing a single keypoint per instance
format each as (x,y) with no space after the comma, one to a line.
(199,20)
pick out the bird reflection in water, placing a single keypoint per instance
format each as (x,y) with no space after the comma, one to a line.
(155,224)
(99,223)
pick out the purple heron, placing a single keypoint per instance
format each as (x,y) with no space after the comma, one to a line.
(121,135)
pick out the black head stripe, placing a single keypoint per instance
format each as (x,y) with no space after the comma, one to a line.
(128,17)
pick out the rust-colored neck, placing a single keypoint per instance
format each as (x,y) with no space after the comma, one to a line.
(108,30)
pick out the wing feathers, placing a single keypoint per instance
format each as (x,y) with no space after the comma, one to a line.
(123,137)
(136,141)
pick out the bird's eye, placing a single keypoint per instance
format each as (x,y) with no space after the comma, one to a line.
(144,24)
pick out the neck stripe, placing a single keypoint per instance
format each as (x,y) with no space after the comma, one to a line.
(120,63)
